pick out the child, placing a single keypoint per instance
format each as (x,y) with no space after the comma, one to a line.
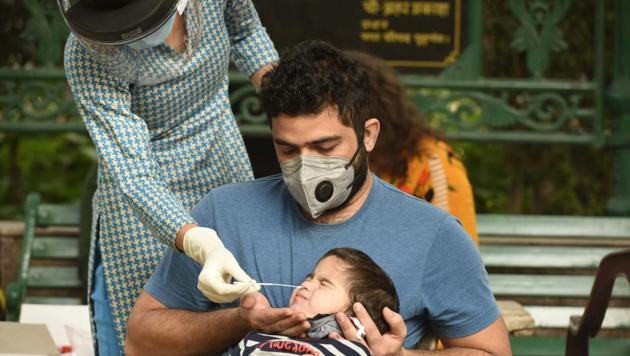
(342,277)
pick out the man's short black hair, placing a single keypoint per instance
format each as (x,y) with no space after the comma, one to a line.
(312,76)
(368,284)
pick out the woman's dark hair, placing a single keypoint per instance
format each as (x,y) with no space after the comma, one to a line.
(368,284)
(312,76)
(402,127)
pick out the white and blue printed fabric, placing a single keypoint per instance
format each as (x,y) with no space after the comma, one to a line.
(164,133)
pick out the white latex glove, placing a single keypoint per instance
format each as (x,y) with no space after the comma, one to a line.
(219,266)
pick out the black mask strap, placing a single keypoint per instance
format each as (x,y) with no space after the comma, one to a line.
(360,145)
(356,153)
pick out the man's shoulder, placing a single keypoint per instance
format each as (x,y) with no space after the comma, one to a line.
(258,195)
(414,220)
(253,189)
(259,183)
(407,204)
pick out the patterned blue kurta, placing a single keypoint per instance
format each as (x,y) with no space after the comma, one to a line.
(164,133)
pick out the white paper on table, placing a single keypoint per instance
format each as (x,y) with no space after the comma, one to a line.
(62,320)
(81,341)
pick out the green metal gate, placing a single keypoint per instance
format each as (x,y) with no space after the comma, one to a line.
(465,104)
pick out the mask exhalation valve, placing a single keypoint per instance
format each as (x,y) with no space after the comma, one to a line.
(324,191)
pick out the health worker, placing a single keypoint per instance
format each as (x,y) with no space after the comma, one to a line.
(150,80)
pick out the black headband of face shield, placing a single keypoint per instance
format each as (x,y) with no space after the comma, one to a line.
(113,22)
(106,4)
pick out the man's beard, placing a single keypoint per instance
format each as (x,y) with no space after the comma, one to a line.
(360,166)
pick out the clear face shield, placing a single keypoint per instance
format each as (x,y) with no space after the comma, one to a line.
(121,37)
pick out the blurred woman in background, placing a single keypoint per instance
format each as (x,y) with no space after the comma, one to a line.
(409,154)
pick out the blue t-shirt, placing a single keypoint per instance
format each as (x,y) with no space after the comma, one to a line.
(436,268)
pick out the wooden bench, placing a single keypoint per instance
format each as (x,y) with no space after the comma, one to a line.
(49,271)
(548,265)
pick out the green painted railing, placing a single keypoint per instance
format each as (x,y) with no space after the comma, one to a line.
(460,101)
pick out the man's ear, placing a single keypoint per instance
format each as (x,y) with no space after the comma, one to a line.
(372,128)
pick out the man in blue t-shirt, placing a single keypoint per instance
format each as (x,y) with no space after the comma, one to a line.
(277,227)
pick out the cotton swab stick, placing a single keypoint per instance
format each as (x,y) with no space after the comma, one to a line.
(278,285)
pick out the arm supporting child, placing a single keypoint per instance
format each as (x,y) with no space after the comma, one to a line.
(154,329)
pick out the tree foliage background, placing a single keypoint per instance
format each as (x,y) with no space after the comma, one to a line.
(507,178)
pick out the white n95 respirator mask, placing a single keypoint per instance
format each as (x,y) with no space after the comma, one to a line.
(319,183)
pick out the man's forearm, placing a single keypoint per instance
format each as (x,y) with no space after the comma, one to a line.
(181,332)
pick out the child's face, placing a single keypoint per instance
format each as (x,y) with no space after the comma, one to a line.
(324,291)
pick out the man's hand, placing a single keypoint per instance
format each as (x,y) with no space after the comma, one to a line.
(257,312)
(390,343)
(219,266)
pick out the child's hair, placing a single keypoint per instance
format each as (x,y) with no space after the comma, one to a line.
(368,284)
